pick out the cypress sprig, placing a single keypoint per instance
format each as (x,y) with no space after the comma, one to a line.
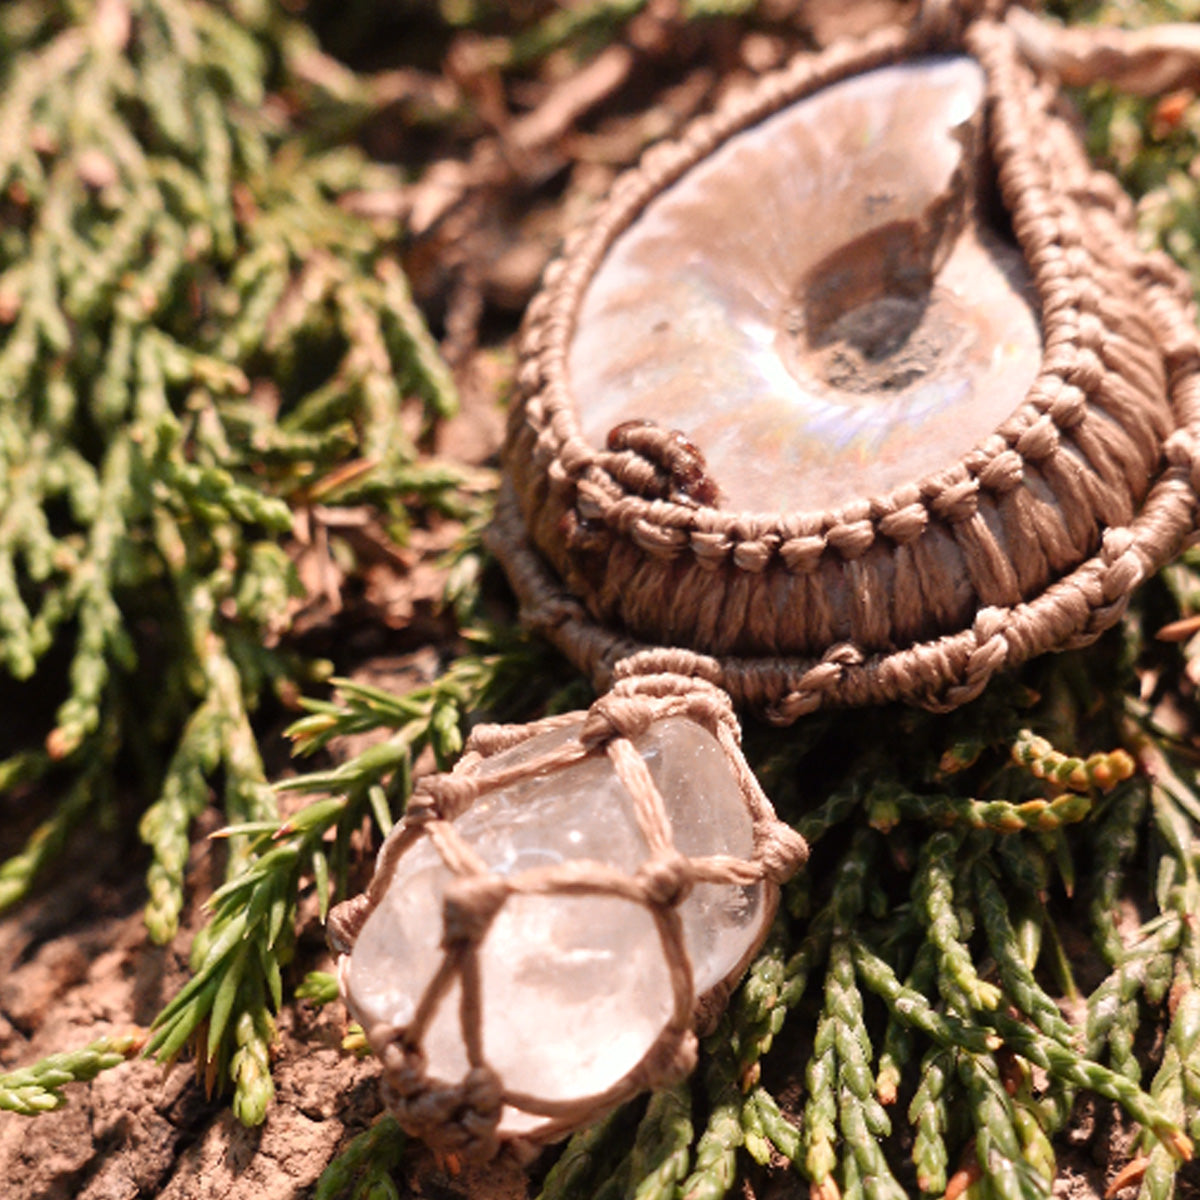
(838,808)
(898,1042)
(933,891)
(714,1171)
(945,1028)
(1113,1013)
(1036,1146)
(1102,770)
(1114,845)
(772,1122)
(483,680)
(1174,1088)
(362,1171)
(821,1108)
(1068,1066)
(759,1011)
(773,990)
(163,262)
(318,988)
(1016,976)
(662,1148)
(1000,816)
(166,824)
(236,958)
(250,1064)
(19,873)
(927,1113)
(39,1088)
(997,1144)
(1184,1036)
(861,1118)
(588,1158)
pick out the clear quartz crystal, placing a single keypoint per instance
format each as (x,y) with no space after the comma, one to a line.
(575,989)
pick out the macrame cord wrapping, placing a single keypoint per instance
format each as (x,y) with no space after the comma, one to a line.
(1051,521)
(1032,541)
(463,1116)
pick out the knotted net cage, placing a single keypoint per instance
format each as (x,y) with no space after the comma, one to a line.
(551,921)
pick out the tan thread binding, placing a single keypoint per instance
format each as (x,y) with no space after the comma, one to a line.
(462,1116)
(1031,542)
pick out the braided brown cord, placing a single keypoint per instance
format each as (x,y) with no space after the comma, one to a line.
(1031,542)
(1146,62)
(464,1116)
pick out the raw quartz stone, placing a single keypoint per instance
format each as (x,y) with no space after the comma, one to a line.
(575,989)
(817,305)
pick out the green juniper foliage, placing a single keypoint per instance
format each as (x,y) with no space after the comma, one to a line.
(195,335)
(195,338)
(363,1170)
(38,1089)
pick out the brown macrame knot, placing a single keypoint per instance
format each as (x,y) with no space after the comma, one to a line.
(666,881)
(469,907)
(782,854)
(957,503)
(851,539)
(1125,567)
(615,716)
(659,463)
(1180,448)
(490,739)
(481,1143)
(1003,473)
(807,693)
(905,524)
(802,555)
(990,622)
(404,1070)
(482,1091)
(483,1102)
(346,922)
(1180,451)
(460,1117)
(753,555)
(446,795)
(575,457)
(711,707)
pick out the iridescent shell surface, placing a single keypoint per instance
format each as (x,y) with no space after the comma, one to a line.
(818,305)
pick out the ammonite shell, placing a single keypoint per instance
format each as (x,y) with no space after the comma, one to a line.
(861,391)
(816,305)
